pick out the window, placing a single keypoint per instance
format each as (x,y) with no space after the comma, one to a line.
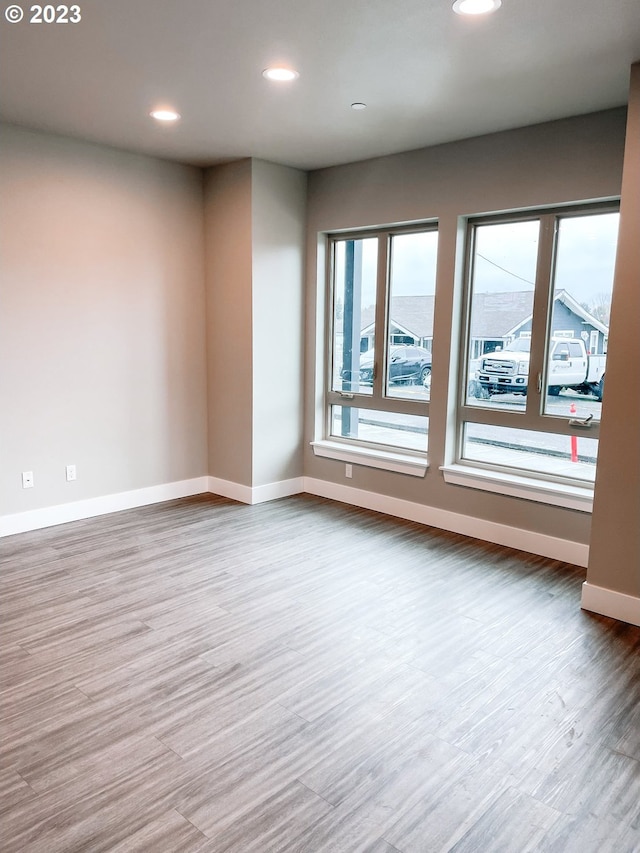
(536,329)
(382,290)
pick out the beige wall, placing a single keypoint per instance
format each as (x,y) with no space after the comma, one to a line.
(569,160)
(614,556)
(150,332)
(227,217)
(278,215)
(254,224)
(102,339)
(150,327)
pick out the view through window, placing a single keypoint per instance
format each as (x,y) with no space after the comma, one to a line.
(383,290)
(538,306)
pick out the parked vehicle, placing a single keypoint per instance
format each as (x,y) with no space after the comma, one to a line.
(570,366)
(407,364)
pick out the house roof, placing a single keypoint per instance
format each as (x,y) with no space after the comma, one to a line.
(578,309)
(493,316)
(411,314)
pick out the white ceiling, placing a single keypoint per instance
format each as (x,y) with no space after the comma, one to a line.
(426,74)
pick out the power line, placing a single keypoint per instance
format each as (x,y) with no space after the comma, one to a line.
(505,270)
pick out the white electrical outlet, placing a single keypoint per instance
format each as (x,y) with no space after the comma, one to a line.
(348,470)
(71,473)
(27,479)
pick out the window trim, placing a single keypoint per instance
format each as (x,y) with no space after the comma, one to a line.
(528,483)
(375,455)
(358,452)
(514,484)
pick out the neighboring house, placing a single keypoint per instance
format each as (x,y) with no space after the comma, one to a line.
(496,320)
(411,322)
(571,319)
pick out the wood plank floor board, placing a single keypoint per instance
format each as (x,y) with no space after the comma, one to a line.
(207,708)
(625,732)
(448,807)
(588,779)
(26,684)
(340,831)
(589,834)
(495,828)
(326,689)
(209,677)
(519,739)
(64,730)
(101,763)
(88,633)
(14,790)
(324,638)
(171,831)
(387,772)
(237,639)
(38,713)
(401,696)
(246,741)
(87,815)
(248,821)
(503,709)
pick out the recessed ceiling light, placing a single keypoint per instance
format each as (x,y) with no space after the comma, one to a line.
(476,7)
(282,75)
(165,115)
(358,106)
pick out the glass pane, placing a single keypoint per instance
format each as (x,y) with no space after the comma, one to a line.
(504,272)
(406,431)
(354,300)
(541,452)
(411,300)
(583,283)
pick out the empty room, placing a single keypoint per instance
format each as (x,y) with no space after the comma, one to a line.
(319,446)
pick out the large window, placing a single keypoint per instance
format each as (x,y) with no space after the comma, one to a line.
(536,332)
(379,361)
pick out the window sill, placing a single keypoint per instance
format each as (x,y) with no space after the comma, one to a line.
(388,460)
(516,485)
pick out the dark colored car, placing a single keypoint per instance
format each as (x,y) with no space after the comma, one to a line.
(407,364)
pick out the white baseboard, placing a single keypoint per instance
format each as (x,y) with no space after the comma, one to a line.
(255,494)
(228,489)
(273,491)
(489,531)
(35,519)
(501,534)
(608,602)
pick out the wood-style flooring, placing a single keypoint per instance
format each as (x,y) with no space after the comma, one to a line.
(208,677)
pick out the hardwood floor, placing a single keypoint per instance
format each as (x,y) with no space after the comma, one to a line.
(204,676)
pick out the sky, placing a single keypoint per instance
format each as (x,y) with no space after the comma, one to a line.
(506,259)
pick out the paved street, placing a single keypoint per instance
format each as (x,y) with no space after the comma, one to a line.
(542,452)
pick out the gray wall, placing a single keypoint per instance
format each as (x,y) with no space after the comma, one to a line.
(148,337)
(254,225)
(614,556)
(570,160)
(279,198)
(102,339)
(227,217)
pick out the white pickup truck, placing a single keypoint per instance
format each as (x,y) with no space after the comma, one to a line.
(570,366)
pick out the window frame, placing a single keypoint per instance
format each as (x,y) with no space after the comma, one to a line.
(378,399)
(533,417)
